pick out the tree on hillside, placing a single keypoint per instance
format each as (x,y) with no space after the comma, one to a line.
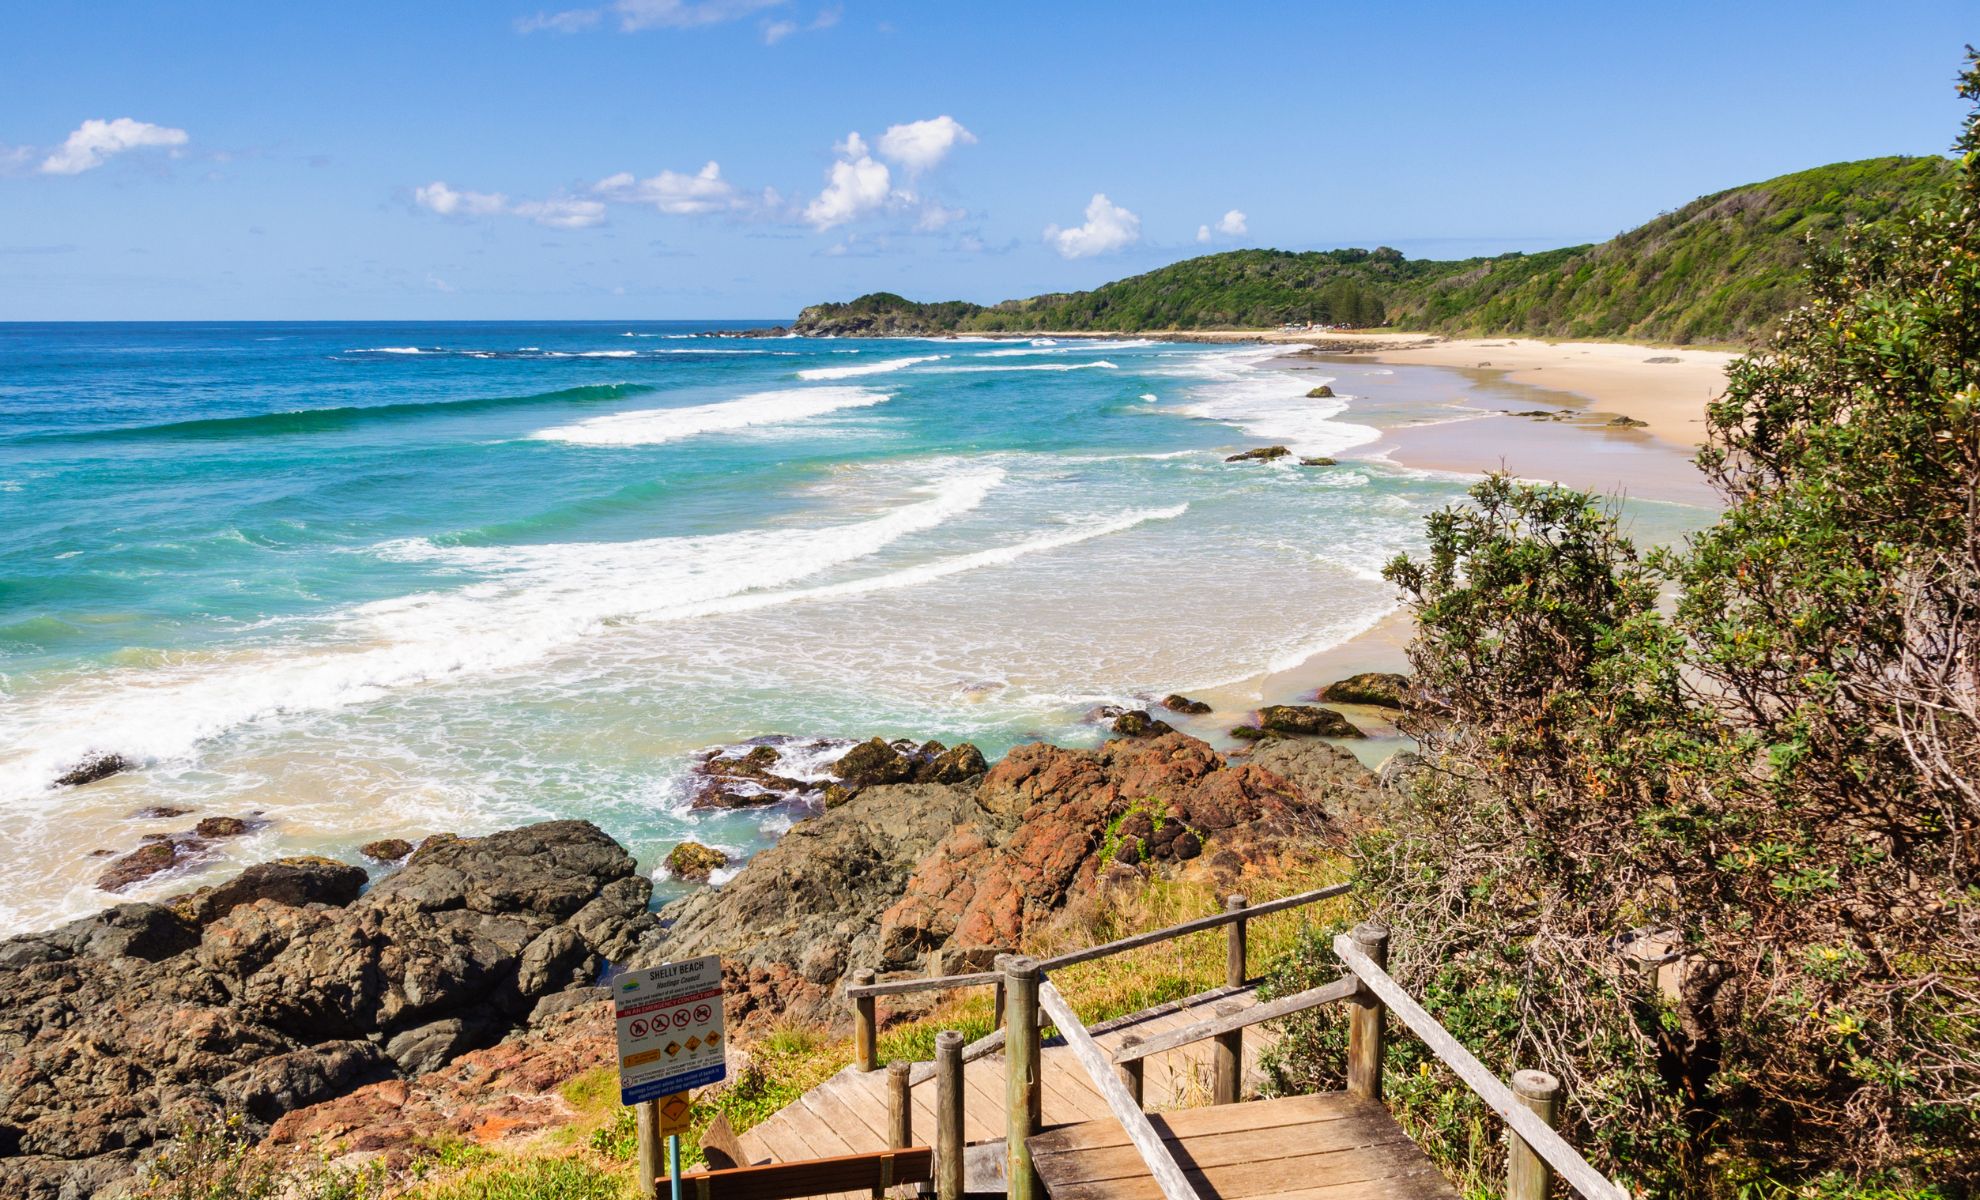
(1713,858)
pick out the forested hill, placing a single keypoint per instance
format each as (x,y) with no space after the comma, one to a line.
(1721,269)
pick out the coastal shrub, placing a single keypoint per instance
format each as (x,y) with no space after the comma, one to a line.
(217,1159)
(1697,832)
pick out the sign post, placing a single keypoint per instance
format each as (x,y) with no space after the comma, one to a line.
(671,1040)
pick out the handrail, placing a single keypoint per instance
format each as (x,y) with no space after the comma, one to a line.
(1155,1154)
(898,987)
(1257,1014)
(992,1042)
(1544,1141)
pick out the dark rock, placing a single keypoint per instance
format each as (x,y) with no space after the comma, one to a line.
(1129,851)
(142,863)
(835,794)
(1186,846)
(1383,689)
(1260,454)
(1137,825)
(873,762)
(1251,733)
(745,794)
(1306,720)
(1323,392)
(1322,461)
(691,862)
(1104,712)
(304,879)
(957,764)
(220,827)
(1663,358)
(284,987)
(1140,724)
(1175,702)
(93,768)
(1627,423)
(156,812)
(1327,775)
(386,849)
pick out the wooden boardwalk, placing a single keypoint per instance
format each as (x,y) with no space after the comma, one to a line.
(1330,1146)
(847,1114)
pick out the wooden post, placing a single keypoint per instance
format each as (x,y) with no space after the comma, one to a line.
(948,1115)
(866,1055)
(1366,1016)
(1131,1071)
(900,1109)
(1234,972)
(1227,1058)
(997,1003)
(1528,1177)
(646,1122)
(1023,1094)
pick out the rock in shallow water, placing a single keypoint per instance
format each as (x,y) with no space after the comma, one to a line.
(1384,689)
(692,862)
(1306,720)
(1179,703)
(386,849)
(93,768)
(1260,454)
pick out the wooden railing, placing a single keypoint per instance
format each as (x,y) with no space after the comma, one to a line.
(1535,1151)
(1238,913)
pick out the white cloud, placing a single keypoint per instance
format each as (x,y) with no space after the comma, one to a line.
(1203,233)
(935,216)
(682,14)
(705,191)
(571,20)
(635,15)
(920,145)
(95,141)
(856,186)
(562,212)
(777,31)
(437,197)
(1108,227)
(1232,223)
(558,212)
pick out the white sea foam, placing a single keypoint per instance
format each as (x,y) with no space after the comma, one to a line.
(1239,388)
(1053,366)
(651,426)
(389,350)
(534,601)
(875,368)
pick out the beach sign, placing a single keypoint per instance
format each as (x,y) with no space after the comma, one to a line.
(671,1037)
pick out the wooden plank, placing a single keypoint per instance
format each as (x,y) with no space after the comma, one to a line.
(776,1138)
(901,987)
(851,1123)
(1391,1181)
(1198,925)
(1358,1165)
(796,1122)
(1209,1122)
(1548,1144)
(1330,993)
(1240,1146)
(786,1181)
(1161,1165)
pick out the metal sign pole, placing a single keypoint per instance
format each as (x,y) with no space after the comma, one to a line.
(674,1163)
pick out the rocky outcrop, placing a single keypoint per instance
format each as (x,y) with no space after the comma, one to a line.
(1260,454)
(692,862)
(283,987)
(1176,702)
(1306,720)
(1383,689)
(386,849)
(902,872)
(1323,392)
(1140,723)
(93,768)
(1321,461)
(1325,774)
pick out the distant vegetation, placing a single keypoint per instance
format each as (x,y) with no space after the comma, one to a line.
(1723,268)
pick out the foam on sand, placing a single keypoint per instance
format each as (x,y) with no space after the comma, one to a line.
(1238,388)
(874,368)
(652,426)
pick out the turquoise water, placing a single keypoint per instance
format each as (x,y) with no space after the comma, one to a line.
(371,580)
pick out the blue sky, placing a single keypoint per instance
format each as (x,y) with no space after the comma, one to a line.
(490,159)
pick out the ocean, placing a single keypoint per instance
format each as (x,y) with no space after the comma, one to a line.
(355,581)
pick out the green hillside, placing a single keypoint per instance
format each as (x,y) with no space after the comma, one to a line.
(1721,269)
